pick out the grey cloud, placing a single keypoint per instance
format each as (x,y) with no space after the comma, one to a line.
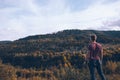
(114,23)
(111,25)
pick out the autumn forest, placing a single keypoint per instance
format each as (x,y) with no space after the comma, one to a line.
(58,56)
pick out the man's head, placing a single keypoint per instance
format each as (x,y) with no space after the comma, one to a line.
(93,37)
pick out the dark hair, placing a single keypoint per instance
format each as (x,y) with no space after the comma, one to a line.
(93,37)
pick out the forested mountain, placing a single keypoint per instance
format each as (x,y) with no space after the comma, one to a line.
(67,40)
(57,56)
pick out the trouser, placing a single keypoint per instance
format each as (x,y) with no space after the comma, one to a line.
(98,65)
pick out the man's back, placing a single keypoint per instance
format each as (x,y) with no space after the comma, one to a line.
(95,49)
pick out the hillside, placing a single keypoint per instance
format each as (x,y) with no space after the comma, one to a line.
(67,40)
(57,56)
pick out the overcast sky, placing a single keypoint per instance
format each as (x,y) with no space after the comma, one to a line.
(21,18)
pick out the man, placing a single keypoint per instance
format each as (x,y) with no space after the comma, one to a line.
(94,58)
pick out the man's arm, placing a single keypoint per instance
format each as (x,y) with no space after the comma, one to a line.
(101,54)
(88,53)
(87,56)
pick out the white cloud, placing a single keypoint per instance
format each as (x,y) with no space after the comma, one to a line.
(28,17)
